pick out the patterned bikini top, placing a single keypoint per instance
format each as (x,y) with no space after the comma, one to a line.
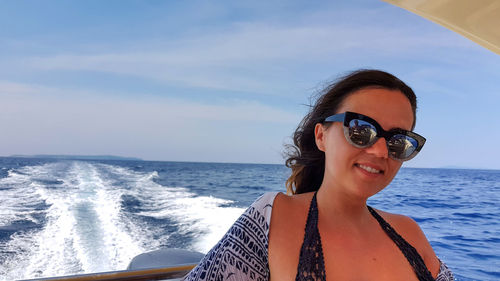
(312,266)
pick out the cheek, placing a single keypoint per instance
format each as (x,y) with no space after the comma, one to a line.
(335,165)
(394,167)
(339,153)
(335,139)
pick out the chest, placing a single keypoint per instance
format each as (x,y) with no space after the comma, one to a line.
(346,257)
(374,257)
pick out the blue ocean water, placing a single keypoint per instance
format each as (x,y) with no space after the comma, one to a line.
(61,217)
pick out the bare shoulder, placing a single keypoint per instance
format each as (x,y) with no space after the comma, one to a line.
(290,202)
(285,207)
(411,232)
(286,233)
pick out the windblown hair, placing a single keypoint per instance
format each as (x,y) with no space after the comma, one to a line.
(303,157)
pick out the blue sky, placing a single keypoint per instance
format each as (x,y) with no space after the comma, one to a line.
(227,81)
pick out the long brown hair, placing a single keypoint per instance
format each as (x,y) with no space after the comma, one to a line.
(303,157)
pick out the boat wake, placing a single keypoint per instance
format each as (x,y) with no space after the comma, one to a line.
(72,217)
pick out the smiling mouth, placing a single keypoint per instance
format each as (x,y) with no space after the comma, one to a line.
(369,169)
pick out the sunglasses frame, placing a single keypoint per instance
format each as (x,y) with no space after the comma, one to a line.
(348,116)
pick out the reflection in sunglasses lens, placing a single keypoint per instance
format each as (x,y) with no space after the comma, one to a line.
(361,132)
(401,146)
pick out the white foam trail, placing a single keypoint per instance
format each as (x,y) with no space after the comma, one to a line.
(15,192)
(203,215)
(85,227)
(37,252)
(199,214)
(83,232)
(103,243)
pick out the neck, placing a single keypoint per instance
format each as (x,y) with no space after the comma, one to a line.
(341,210)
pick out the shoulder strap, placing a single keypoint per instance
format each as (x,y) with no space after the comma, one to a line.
(311,264)
(406,248)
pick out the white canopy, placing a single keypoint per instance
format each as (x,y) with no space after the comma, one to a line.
(478,20)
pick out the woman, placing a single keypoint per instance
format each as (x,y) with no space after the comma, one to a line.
(348,148)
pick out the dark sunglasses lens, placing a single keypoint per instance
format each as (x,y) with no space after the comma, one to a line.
(402,146)
(362,133)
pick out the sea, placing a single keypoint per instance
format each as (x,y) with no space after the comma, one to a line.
(61,217)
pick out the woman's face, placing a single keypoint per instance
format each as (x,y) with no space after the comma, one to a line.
(363,171)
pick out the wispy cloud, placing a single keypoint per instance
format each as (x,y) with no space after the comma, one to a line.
(39,120)
(244,57)
(13,88)
(170,108)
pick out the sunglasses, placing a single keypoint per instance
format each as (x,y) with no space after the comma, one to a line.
(362,131)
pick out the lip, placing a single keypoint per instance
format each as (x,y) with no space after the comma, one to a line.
(372,166)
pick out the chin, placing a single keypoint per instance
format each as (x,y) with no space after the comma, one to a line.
(366,190)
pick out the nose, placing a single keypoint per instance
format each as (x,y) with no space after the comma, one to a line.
(379,149)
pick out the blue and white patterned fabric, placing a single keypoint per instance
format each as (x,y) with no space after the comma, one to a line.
(242,253)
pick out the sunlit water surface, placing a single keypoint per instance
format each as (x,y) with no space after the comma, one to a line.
(61,217)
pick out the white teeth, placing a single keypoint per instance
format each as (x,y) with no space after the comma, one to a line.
(369,169)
